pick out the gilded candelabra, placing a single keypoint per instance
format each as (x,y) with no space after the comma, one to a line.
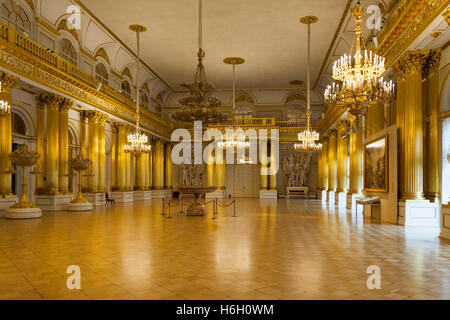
(24,158)
(79,164)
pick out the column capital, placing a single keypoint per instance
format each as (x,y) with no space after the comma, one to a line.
(7,82)
(53,101)
(102,118)
(343,125)
(121,127)
(433,62)
(414,61)
(91,115)
(332,133)
(65,105)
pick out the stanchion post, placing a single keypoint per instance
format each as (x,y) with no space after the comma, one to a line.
(214,208)
(169,217)
(234,205)
(181,204)
(162,207)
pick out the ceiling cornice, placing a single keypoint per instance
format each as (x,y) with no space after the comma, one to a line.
(122,43)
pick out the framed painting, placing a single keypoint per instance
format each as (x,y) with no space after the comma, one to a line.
(376,165)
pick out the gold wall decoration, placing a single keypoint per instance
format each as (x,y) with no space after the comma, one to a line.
(62,25)
(102,53)
(126,72)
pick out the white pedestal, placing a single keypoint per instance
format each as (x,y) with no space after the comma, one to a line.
(23,213)
(142,195)
(158,194)
(297,192)
(6,203)
(445,222)
(268,194)
(331,198)
(341,200)
(97,199)
(324,196)
(419,213)
(53,202)
(80,207)
(122,197)
(218,194)
(351,201)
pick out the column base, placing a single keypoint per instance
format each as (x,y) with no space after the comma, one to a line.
(80,207)
(53,203)
(445,222)
(158,194)
(341,199)
(331,198)
(142,195)
(268,194)
(351,200)
(23,213)
(97,199)
(122,197)
(6,203)
(324,196)
(218,194)
(418,213)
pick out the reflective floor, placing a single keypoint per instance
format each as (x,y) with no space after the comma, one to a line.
(273,250)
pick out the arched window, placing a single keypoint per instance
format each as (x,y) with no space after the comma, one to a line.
(126,90)
(15,15)
(101,73)
(18,125)
(68,51)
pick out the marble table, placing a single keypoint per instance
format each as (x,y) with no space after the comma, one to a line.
(197,208)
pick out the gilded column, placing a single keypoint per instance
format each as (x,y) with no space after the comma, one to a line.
(324,167)
(63,180)
(264,165)
(342,155)
(332,161)
(113,165)
(101,153)
(140,172)
(93,151)
(210,170)
(432,151)
(220,169)
(158,167)
(273,169)
(150,167)
(121,179)
(7,83)
(413,63)
(52,172)
(168,166)
(400,120)
(128,161)
(356,157)
(375,121)
(40,140)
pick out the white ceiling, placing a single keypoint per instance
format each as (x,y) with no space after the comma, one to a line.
(267,33)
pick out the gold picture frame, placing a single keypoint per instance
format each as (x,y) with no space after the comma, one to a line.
(376,165)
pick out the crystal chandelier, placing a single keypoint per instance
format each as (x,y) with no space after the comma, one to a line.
(359,75)
(308,138)
(237,140)
(199,104)
(137,141)
(5,108)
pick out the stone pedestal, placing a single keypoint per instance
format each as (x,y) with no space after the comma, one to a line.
(331,198)
(351,201)
(80,207)
(53,202)
(122,197)
(158,194)
(218,194)
(341,200)
(23,213)
(268,194)
(142,195)
(6,203)
(445,222)
(419,213)
(324,196)
(97,199)
(168,194)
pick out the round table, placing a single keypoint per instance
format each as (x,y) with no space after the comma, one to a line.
(197,208)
